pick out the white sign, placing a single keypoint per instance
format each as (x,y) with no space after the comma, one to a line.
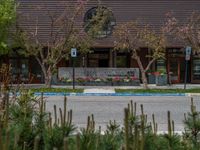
(73,52)
(188,52)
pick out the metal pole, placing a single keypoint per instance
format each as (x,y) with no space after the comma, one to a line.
(73,74)
(186,73)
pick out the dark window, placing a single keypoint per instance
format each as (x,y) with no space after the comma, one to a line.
(99,58)
(19,69)
(122,60)
(99,22)
(196,69)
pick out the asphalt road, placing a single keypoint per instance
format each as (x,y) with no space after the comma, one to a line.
(112,108)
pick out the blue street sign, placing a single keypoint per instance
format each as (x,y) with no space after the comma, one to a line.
(73,52)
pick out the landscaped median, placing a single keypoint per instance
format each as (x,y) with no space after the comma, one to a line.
(189,92)
(117,92)
(56,90)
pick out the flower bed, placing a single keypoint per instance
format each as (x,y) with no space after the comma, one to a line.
(111,81)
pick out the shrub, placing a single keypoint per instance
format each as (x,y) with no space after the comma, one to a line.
(26,125)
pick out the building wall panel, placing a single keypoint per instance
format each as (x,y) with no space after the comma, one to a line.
(152,12)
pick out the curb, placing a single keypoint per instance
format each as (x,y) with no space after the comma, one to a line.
(192,94)
(110,94)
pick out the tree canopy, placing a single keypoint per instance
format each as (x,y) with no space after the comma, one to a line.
(7,18)
(188,32)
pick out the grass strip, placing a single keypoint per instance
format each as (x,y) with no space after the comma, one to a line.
(57,90)
(195,90)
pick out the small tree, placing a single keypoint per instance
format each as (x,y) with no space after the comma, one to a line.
(187,32)
(131,36)
(7,18)
(64,34)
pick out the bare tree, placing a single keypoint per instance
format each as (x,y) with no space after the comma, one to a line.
(64,34)
(131,36)
(187,32)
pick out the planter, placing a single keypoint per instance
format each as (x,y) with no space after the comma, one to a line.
(161,80)
(101,83)
(151,79)
(63,83)
(135,83)
(131,83)
(91,83)
(116,83)
(80,83)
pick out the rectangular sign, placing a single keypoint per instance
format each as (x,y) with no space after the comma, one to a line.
(73,52)
(188,51)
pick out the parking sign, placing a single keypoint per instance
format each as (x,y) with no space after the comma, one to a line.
(188,52)
(73,52)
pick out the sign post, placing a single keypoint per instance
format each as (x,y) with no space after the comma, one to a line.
(188,52)
(73,55)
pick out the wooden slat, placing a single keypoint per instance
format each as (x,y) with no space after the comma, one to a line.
(148,11)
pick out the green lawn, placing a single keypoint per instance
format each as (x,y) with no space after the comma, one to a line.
(57,90)
(196,90)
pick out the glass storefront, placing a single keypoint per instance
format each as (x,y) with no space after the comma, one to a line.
(26,70)
(99,58)
(176,65)
(19,69)
(36,72)
(196,69)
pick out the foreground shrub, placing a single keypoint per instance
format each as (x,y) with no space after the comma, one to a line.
(25,125)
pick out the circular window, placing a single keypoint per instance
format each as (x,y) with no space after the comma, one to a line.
(99,22)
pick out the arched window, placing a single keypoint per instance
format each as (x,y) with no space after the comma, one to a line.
(99,22)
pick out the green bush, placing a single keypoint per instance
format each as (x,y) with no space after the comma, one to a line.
(25,125)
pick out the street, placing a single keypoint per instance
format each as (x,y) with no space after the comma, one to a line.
(112,108)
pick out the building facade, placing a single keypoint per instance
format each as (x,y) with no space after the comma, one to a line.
(151,12)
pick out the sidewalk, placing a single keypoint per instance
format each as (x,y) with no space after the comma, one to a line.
(110,90)
(151,86)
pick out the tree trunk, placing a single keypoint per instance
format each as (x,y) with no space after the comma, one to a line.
(46,71)
(4,97)
(48,78)
(144,80)
(143,72)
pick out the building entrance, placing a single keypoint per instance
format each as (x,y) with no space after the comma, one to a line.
(99,58)
(104,63)
(176,69)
